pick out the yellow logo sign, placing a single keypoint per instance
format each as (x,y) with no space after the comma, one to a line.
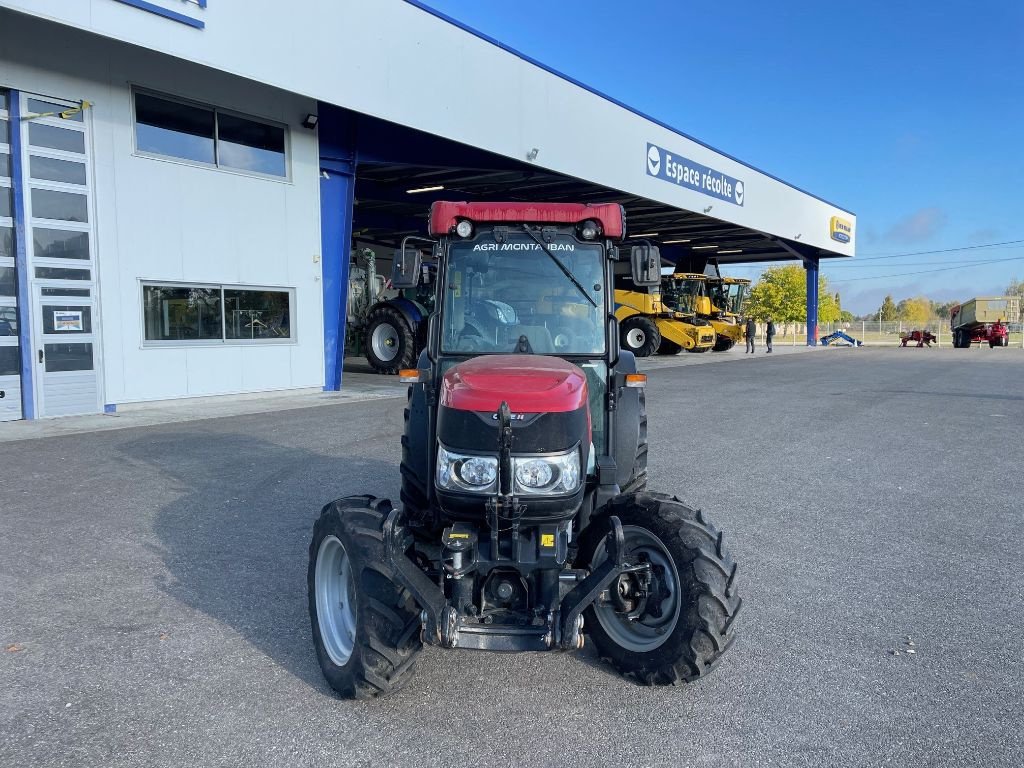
(547,540)
(841,229)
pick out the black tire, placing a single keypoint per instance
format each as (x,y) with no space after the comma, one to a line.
(723,344)
(639,335)
(668,347)
(387,619)
(698,350)
(390,343)
(708,601)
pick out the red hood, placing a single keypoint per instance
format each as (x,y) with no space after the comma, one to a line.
(528,383)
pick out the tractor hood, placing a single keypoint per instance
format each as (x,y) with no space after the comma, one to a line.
(528,383)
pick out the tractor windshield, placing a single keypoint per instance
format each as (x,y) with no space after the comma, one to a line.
(512,296)
(680,294)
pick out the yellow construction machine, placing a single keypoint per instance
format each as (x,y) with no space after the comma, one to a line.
(664,320)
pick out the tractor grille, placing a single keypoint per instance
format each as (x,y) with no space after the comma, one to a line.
(706,339)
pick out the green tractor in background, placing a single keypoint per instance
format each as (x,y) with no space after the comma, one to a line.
(388,326)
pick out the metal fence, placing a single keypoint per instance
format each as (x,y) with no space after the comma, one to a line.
(875,332)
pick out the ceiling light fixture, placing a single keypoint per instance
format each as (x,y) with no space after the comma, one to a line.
(436,188)
(646,234)
(671,242)
(732,250)
(703,247)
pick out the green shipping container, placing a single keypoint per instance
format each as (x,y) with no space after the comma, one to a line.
(989,310)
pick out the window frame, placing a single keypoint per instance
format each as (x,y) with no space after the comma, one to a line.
(217,111)
(223,341)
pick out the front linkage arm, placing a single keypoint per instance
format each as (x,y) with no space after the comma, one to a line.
(588,590)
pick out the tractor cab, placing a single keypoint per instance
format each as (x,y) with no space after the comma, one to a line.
(727,295)
(685,293)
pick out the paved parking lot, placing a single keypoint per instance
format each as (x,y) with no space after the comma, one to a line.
(152,585)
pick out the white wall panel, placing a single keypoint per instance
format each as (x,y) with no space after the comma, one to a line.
(390,59)
(165,220)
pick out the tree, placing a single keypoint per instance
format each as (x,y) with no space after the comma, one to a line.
(781,294)
(846,316)
(916,310)
(942,310)
(888,309)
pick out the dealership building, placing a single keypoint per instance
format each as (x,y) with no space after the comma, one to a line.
(182,183)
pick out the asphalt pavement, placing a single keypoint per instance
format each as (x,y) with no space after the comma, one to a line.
(153,597)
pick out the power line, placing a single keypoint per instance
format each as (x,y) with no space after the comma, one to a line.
(926,271)
(903,264)
(875,256)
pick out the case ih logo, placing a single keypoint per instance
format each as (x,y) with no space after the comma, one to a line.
(186,12)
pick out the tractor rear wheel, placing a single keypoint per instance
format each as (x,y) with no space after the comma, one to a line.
(640,335)
(668,347)
(366,628)
(390,343)
(678,628)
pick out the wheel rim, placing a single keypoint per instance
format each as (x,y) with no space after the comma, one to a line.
(385,342)
(635,338)
(335,608)
(648,631)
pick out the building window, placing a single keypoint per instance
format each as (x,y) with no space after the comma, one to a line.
(211,136)
(211,313)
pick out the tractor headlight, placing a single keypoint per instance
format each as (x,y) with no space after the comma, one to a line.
(547,475)
(466,473)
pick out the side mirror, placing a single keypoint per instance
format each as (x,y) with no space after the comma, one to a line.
(406,267)
(645,261)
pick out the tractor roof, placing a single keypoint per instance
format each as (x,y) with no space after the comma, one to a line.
(729,280)
(689,276)
(444,215)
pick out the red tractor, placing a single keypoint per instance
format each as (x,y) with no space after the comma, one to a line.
(525,522)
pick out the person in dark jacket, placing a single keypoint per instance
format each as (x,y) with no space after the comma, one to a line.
(751,334)
(769,334)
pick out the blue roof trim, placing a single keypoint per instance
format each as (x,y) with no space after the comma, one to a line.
(493,41)
(142,5)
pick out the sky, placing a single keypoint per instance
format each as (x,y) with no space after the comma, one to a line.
(910,114)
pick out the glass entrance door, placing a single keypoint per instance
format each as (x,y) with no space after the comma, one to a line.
(66,351)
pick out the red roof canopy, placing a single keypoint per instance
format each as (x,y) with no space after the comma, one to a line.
(444,215)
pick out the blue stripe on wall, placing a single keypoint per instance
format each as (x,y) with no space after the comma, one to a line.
(142,5)
(28,406)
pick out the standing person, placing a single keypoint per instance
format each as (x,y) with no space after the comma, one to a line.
(751,334)
(769,334)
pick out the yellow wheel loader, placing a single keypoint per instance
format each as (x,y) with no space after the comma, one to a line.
(727,295)
(650,322)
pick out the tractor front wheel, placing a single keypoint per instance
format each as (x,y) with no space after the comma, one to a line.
(674,628)
(640,335)
(366,628)
(668,347)
(723,344)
